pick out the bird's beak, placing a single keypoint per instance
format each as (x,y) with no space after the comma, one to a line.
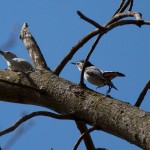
(73,63)
(1,52)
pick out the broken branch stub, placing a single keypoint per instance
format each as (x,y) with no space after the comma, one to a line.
(33,49)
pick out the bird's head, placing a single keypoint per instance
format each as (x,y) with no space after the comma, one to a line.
(7,55)
(80,63)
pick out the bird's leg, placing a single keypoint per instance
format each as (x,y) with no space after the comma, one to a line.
(108,91)
(83,84)
(30,71)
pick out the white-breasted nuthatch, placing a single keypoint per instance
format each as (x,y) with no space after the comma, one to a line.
(98,77)
(15,63)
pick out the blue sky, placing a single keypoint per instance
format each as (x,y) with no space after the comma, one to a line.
(56,27)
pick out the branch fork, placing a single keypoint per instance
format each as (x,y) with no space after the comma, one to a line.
(39,63)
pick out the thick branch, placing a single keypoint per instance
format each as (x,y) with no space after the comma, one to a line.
(108,114)
(33,49)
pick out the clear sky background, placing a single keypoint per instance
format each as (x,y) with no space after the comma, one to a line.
(56,27)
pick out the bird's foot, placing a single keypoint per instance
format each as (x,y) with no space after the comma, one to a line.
(82,84)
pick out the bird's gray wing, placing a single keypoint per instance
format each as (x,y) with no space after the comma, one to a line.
(95,72)
(24,64)
(112,74)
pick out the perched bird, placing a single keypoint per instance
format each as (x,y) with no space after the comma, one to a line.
(98,77)
(15,63)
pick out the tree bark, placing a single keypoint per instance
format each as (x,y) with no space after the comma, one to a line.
(43,88)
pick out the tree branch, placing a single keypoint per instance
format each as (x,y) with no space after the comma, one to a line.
(131,5)
(124,6)
(82,137)
(121,5)
(73,50)
(142,94)
(139,23)
(39,61)
(120,16)
(33,49)
(87,58)
(17,135)
(34,114)
(88,106)
(90,21)
(110,25)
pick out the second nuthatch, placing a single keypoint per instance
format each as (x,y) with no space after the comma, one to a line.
(98,77)
(15,63)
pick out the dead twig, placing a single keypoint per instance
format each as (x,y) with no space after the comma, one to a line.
(131,5)
(82,137)
(97,25)
(142,95)
(34,114)
(119,16)
(17,135)
(139,23)
(121,5)
(124,7)
(87,58)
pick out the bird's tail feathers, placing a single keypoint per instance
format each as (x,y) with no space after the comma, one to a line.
(120,74)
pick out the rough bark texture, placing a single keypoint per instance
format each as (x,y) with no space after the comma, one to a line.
(45,89)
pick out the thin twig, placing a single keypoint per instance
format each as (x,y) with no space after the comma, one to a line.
(87,139)
(97,25)
(14,138)
(88,56)
(139,23)
(82,137)
(34,114)
(142,95)
(131,5)
(121,5)
(124,6)
(120,16)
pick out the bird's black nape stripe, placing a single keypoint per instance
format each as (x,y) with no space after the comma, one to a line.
(88,63)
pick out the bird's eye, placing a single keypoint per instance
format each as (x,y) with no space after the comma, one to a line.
(7,52)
